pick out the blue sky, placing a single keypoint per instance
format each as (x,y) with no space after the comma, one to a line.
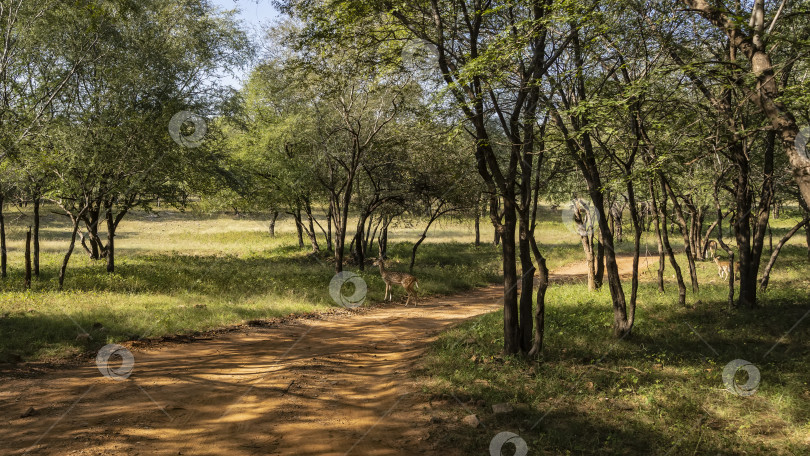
(255,14)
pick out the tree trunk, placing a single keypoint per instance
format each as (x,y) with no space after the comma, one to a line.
(589,257)
(762,215)
(621,324)
(4,253)
(599,278)
(766,275)
(766,94)
(477,225)
(540,308)
(27,281)
(313,238)
(384,242)
(110,242)
(704,246)
(432,219)
(497,237)
(731,274)
(526,281)
(631,196)
(358,253)
(661,254)
(668,248)
(679,218)
(37,203)
(91,220)
(742,228)
(273,224)
(510,303)
(63,269)
(299,226)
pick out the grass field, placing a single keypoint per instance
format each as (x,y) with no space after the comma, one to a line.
(658,392)
(178,273)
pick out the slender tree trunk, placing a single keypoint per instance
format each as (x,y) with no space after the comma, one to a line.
(63,269)
(91,220)
(37,203)
(540,307)
(329,220)
(273,224)
(587,246)
(731,274)
(313,238)
(358,253)
(762,216)
(384,241)
(661,254)
(299,226)
(704,246)
(631,196)
(111,227)
(435,216)
(766,275)
(4,253)
(668,248)
(599,278)
(621,323)
(27,281)
(477,225)
(526,282)
(679,218)
(497,236)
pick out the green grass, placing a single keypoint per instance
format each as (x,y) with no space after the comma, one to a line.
(657,392)
(184,273)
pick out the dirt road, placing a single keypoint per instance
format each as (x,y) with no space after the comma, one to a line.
(333,386)
(338,385)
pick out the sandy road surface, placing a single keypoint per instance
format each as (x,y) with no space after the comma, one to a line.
(332,386)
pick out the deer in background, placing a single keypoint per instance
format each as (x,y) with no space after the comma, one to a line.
(408,282)
(724,266)
(711,248)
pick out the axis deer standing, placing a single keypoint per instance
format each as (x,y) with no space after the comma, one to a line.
(724,266)
(408,282)
(711,248)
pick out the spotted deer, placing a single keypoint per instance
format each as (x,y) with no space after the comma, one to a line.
(724,266)
(408,282)
(711,248)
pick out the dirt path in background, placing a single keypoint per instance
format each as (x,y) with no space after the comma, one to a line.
(332,386)
(578,272)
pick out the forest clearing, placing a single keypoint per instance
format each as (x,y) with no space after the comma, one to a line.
(333,227)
